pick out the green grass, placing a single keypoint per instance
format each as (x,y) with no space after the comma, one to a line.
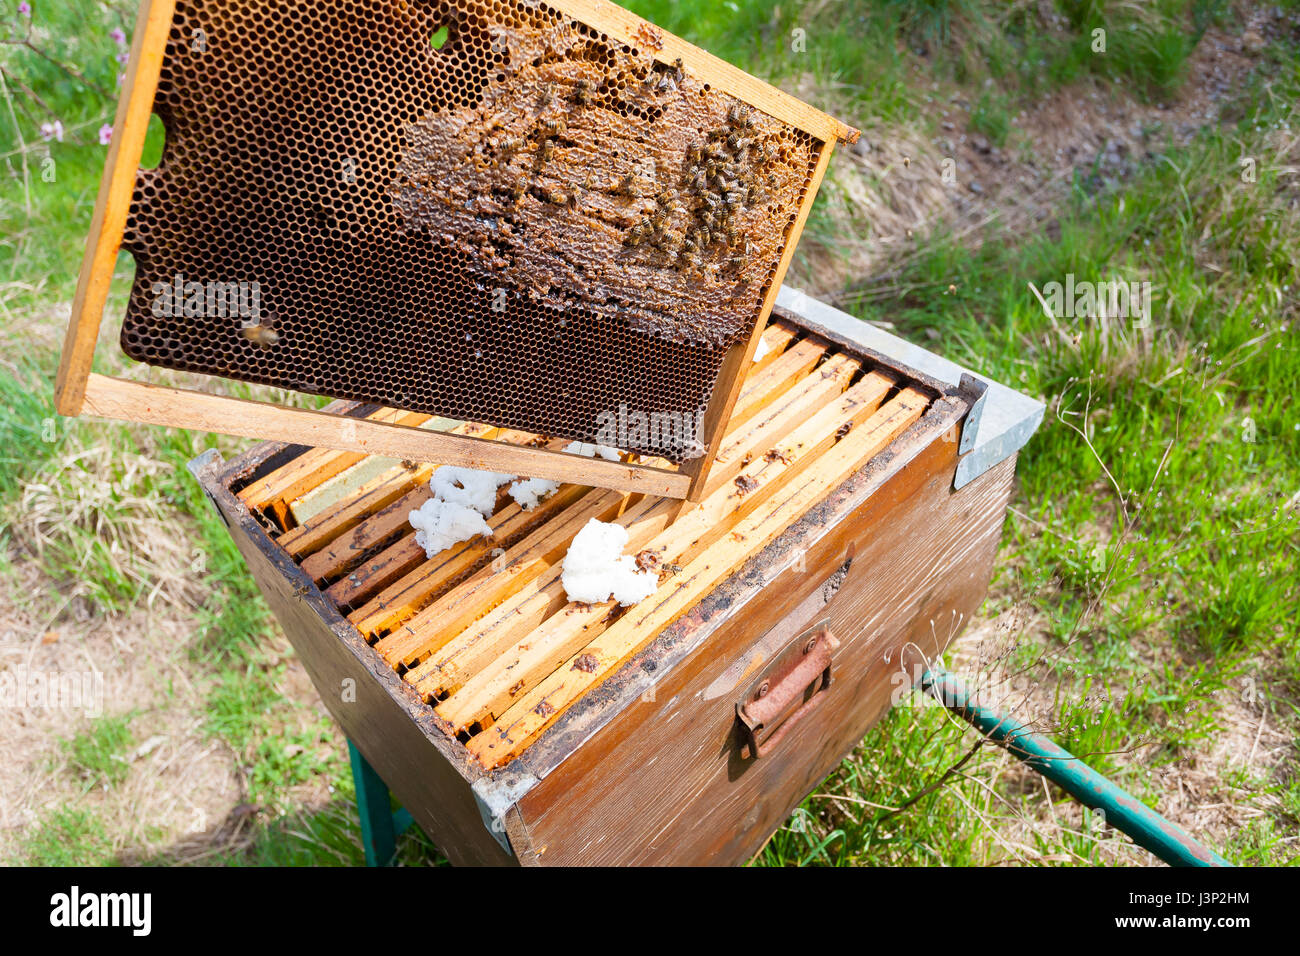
(1156,598)
(70,836)
(98,755)
(1205,579)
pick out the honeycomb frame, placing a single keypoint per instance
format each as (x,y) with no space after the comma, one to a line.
(79,390)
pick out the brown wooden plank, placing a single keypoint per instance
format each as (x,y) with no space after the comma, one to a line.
(774,380)
(130,126)
(537,708)
(767,431)
(373,496)
(358,586)
(776,339)
(313,467)
(535,654)
(535,601)
(632,30)
(739,357)
(351,548)
(469,600)
(404,595)
(109,397)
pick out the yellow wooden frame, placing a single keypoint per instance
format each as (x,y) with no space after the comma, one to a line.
(79,390)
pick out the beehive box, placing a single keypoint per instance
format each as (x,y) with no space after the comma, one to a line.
(520,728)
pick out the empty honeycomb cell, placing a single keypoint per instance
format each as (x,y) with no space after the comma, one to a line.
(529,225)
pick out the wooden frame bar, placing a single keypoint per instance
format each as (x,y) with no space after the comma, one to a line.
(78,390)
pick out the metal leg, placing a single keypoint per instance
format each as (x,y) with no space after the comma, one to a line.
(379,825)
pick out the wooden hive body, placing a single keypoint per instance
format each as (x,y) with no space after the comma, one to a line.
(625,744)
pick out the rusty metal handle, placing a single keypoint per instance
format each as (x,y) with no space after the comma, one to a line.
(776,697)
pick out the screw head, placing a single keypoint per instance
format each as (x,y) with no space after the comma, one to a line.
(763,688)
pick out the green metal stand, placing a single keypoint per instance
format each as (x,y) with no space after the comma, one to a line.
(1148,829)
(380,825)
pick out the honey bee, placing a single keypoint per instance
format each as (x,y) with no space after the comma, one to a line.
(688,259)
(695,154)
(734,140)
(544,95)
(582,92)
(260,334)
(637,233)
(553,127)
(733,237)
(517,190)
(627,186)
(719,133)
(678,73)
(738,262)
(547,151)
(555,197)
(698,183)
(705,237)
(708,219)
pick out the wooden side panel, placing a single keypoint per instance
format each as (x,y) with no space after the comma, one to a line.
(631,29)
(374,708)
(731,377)
(642,791)
(113,205)
(118,398)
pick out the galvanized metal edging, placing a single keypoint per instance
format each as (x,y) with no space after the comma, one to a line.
(1000,423)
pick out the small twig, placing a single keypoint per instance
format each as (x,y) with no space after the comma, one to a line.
(71,71)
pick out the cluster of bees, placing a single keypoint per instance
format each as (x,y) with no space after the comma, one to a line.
(722,175)
(546,133)
(719,180)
